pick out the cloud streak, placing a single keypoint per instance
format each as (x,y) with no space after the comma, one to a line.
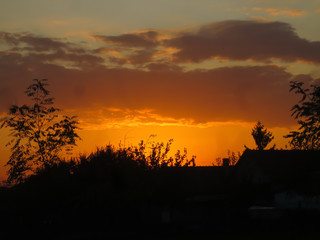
(278,12)
(290,13)
(144,39)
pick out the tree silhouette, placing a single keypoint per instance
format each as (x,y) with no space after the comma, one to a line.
(38,132)
(261,136)
(307,112)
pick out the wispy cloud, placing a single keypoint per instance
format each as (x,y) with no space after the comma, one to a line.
(27,48)
(290,13)
(112,118)
(102,118)
(144,39)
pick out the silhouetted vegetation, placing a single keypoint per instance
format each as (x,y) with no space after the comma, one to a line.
(261,135)
(307,112)
(38,133)
(121,184)
(125,190)
(112,166)
(232,158)
(144,188)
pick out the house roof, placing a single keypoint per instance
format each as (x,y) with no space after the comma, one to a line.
(284,159)
(290,167)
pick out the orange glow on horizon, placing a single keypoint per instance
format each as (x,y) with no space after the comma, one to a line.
(206,141)
(110,125)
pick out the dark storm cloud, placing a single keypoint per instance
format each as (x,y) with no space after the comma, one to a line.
(243,40)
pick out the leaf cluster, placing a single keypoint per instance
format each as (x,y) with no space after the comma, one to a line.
(307,113)
(261,135)
(38,132)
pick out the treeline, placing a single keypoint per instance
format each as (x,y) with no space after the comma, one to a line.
(109,169)
(118,184)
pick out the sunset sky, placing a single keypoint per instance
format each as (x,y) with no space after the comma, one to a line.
(202,72)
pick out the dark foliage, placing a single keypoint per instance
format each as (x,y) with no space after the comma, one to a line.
(232,156)
(307,112)
(39,134)
(120,185)
(261,135)
(110,173)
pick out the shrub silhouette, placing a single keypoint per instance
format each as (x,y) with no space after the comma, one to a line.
(109,173)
